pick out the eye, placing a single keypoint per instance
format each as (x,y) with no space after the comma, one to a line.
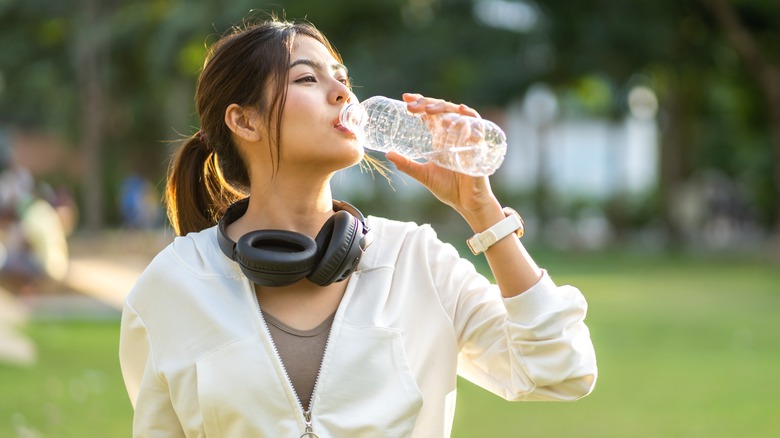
(306,79)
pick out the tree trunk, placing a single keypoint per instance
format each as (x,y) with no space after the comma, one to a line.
(675,166)
(773,100)
(90,49)
(767,76)
(775,121)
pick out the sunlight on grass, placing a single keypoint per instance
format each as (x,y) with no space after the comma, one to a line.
(687,347)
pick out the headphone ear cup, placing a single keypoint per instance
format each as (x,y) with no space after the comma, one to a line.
(339,247)
(276,257)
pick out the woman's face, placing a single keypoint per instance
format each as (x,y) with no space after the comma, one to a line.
(312,137)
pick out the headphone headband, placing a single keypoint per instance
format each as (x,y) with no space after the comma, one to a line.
(281,257)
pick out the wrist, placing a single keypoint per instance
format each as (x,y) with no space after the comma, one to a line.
(510,224)
(484,216)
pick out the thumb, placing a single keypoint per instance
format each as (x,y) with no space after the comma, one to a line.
(407,166)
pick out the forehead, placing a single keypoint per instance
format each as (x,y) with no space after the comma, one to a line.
(306,47)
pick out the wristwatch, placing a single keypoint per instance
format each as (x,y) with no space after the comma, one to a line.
(513,223)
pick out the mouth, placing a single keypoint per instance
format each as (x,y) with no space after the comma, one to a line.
(341,128)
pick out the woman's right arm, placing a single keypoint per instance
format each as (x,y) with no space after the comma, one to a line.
(154,414)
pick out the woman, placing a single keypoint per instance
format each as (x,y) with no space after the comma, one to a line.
(237,332)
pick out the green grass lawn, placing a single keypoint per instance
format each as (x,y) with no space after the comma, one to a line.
(687,347)
(74,390)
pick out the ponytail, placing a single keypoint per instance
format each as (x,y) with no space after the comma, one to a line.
(197,193)
(208,173)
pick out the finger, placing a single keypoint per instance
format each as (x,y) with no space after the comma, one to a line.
(415,102)
(467,111)
(407,165)
(412,97)
(438,106)
(441,106)
(401,162)
(418,103)
(432,103)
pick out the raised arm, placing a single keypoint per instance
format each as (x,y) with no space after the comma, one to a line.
(512,266)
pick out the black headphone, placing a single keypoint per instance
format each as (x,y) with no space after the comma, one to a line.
(280,257)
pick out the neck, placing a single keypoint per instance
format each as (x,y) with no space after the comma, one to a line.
(301,207)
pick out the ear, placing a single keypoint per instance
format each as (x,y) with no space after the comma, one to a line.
(244,123)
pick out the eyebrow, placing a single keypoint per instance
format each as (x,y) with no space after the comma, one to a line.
(318,65)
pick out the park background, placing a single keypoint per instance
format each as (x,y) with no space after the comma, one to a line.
(644,156)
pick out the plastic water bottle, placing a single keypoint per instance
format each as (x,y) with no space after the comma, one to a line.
(468,145)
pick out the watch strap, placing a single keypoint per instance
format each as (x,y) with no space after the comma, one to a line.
(512,223)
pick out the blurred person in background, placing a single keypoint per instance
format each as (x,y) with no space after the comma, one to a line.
(281,312)
(33,245)
(138,203)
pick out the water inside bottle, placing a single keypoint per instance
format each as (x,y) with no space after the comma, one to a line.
(465,144)
(463,159)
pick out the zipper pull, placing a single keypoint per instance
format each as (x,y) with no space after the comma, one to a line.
(309,432)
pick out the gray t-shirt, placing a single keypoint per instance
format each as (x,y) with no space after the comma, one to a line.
(301,352)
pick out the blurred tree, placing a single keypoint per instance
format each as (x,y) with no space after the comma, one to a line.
(131,69)
(89,60)
(130,66)
(710,108)
(757,45)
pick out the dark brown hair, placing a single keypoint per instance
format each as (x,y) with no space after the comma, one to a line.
(248,67)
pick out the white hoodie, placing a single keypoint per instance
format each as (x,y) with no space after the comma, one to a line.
(198,360)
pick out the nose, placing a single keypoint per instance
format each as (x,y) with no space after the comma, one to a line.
(340,93)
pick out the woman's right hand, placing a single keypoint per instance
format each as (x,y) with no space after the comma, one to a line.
(468,195)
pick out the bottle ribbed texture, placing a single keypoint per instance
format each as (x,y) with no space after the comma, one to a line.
(464,144)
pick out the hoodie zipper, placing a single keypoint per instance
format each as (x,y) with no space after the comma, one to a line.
(308,431)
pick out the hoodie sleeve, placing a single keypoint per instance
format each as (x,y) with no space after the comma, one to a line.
(154,413)
(534,346)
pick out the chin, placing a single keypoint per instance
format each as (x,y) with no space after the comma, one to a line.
(359,154)
(342,160)
(356,158)
(354,153)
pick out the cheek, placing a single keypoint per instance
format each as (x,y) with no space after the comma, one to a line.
(296,141)
(299,126)
(297,112)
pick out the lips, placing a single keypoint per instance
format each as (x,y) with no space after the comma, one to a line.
(339,127)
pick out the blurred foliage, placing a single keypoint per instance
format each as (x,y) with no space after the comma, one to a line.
(712,112)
